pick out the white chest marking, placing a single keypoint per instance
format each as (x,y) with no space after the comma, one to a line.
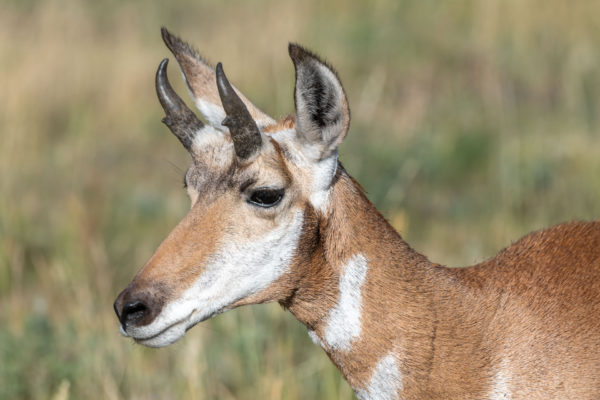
(344,321)
(385,382)
(500,390)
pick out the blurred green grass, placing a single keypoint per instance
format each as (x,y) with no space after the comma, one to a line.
(473,124)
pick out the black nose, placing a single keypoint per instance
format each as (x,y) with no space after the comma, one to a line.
(132,313)
(135,307)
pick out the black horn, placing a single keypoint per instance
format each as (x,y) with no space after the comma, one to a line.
(179,118)
(244,131)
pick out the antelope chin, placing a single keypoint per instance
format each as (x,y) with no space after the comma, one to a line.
(165,336)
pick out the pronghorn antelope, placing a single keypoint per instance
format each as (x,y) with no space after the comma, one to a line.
(275,217)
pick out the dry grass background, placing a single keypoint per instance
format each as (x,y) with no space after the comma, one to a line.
(473,124)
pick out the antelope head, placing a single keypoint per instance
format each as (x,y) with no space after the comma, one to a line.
(258,190)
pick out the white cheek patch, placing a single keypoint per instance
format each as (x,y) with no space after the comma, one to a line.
(233,272)
(344,321)
(385,383)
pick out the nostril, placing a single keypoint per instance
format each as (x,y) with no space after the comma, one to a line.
(132,312)
(138,307)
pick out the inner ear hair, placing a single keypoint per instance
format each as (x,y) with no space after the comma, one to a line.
(322,112)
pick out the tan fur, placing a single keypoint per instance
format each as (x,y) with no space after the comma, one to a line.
(200,77)
(535,308)
(175,263)
(525,324)
(178,261)
(283,124)
(537,305)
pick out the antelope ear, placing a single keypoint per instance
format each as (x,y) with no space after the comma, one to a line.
(322,112)
(201,80)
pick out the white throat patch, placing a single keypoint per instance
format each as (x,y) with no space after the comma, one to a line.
(500,389)
(344,321)
(385,382)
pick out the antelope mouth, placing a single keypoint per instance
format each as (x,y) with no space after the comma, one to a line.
(164,336)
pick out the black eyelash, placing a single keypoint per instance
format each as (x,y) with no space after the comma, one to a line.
(185,182)
(265,197)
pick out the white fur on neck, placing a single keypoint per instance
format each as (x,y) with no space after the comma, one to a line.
(344,321)
(315,338)
(500,389)
(385,383)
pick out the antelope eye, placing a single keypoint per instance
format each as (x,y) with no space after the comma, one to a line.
(266,197)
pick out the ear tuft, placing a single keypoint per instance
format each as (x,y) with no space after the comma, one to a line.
(200,78)
(322,112)
(299,53)
(178,47)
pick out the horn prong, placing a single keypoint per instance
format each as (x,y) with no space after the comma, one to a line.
(178,117)
(245,134)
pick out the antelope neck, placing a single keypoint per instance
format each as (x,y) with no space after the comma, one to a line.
(368,298)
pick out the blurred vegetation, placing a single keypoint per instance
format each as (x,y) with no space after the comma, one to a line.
(474,123)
